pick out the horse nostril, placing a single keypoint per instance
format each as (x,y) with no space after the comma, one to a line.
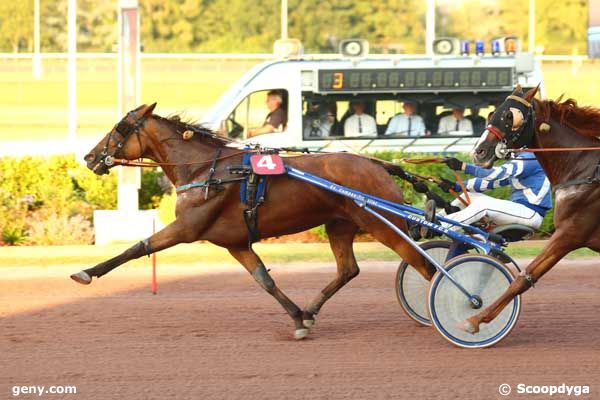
(480,152)
(89,157)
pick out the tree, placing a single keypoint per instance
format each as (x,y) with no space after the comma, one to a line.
(16,25)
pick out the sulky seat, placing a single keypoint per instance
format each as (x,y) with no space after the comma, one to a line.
(514,232)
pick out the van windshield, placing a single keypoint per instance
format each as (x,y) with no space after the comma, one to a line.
(347,116)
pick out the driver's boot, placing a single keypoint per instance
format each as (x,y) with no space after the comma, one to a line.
(426,233)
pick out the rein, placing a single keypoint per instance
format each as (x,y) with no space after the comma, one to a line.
(437,160)
(134,163)
(554,149)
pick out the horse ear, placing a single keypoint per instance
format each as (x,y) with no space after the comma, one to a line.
(148,110)
(518,91)
(532,92)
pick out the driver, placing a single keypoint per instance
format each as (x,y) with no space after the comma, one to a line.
(530,198)
(276,118)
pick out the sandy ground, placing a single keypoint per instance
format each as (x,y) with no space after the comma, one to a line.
(211,333)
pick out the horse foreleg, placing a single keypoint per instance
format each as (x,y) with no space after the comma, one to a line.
(176,232)
(341,235)
(256,268)
(558,246)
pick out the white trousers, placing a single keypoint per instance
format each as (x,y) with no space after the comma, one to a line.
(501,212)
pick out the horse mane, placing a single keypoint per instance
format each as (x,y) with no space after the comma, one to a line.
(201,133)
(583,120)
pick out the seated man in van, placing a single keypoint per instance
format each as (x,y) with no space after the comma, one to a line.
(276,118)
(407,124)
(456,122)
(359,123)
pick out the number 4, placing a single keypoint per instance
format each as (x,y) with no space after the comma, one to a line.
(266,162)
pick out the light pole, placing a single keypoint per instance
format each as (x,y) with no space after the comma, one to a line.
(37,65)
(72,70)
(128,93)
(531,46)
(429,27)
(284,19)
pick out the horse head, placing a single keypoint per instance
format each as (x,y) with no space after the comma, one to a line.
(118,144)
(510,126)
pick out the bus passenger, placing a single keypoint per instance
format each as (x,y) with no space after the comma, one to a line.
(407,124)
(455,123)
(359,123)
(276,119)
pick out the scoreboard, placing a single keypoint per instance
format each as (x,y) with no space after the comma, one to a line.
(399,80)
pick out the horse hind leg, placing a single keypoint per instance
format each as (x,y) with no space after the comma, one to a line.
(386,236)
(256,268)
(341,235)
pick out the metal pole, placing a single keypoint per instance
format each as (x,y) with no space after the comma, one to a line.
(37,65)
(531,46)
(284,19)
(429,27)
(72,70)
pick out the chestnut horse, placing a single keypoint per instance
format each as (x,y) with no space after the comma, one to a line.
(291,206)
(522,121)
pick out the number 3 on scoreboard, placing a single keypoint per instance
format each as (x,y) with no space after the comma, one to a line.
(267,164)
(338,80)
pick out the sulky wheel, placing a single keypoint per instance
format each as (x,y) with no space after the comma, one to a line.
(485,278)
(411,287)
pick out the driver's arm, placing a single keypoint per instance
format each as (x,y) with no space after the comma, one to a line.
(268,128)
(492,178)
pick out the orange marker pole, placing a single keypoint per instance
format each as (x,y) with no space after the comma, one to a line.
(153,261)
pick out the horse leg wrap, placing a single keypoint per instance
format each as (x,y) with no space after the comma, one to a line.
(528,279)
(315,306)
(147,248)
(263,278)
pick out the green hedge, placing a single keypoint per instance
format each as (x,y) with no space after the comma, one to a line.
(51,200)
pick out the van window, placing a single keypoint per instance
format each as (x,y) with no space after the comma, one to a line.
(256,112)
(325,115)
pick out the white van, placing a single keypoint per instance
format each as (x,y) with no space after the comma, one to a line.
(317,95)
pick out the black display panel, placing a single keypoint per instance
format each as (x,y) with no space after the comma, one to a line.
(397,80)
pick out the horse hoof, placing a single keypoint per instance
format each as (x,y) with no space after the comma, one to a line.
(308,323)
(82,277)
(468,326)
(300,334)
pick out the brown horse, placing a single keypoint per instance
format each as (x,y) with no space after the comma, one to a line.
(522,121)
(291,206)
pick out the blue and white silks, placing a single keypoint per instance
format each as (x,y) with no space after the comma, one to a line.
(530,186)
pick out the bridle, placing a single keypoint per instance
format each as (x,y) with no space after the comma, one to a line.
(125,129)
(519,137)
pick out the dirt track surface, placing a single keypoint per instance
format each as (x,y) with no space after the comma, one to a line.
(211,333)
